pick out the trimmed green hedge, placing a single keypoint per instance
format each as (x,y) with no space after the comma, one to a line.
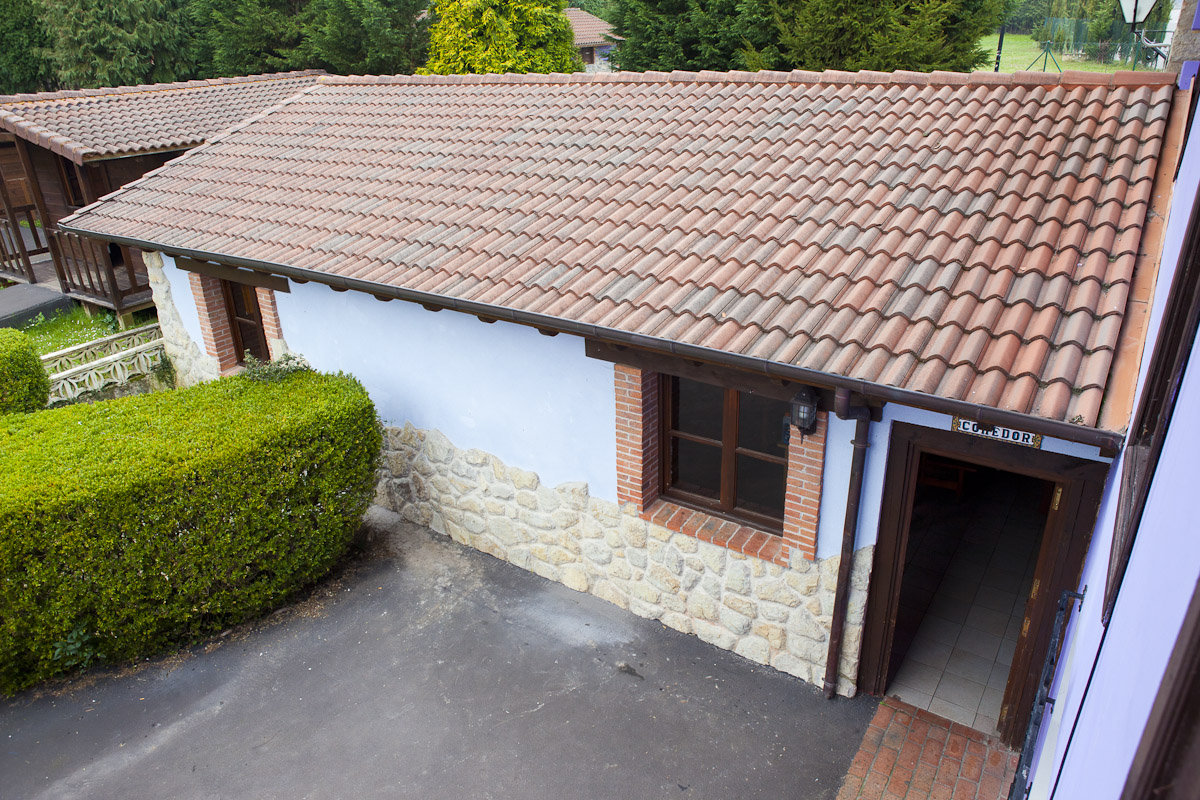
(134,524)
(24,384)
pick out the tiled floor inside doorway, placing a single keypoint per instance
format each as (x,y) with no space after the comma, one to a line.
(958,661)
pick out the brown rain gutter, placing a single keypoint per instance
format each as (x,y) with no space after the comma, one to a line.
(841,597)
(1109,442)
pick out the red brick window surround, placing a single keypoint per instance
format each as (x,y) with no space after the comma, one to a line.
(217,323)
(639,480)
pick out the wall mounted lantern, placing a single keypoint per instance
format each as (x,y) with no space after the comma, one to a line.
(804,410)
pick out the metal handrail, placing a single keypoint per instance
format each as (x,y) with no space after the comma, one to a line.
(1020,785)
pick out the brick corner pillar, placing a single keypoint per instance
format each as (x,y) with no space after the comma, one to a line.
(637,436)
(802,501)
(214,320)
(272,327)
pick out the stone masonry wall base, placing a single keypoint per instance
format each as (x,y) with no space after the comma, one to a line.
(768,613)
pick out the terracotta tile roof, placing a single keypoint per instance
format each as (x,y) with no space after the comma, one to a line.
(126,120)
(590,30)
(971,238)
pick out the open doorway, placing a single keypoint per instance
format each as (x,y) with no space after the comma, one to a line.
(978,538)
(969,567)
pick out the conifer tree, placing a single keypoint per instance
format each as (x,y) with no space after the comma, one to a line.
(245,37)
(24,66)
(117,42)
(693,34)
(377,37)
(921,35)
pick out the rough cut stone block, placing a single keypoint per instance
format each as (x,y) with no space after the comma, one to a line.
(596,551)
(574,577)
(679,622)
(606,591)
(672,559)
(522,479)
(662,579)
(714,635)
(647,594)
(700,606)
(734,622)
(777,592)
(551,554)
(754,648)
(574,495)
(547,498)
(737,578)
(741,605)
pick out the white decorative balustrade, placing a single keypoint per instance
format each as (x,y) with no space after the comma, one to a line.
(62,360)
(102,363)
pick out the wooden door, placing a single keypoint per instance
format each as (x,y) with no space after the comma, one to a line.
(245,320)
(1065,537)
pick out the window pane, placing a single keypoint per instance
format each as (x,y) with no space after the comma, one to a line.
(760,486)
(698,408)
(696,468)
(760,424)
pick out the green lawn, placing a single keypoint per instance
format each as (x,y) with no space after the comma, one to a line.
(69,328)
(1020,52)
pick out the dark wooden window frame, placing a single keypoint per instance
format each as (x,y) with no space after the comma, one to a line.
(1078,487)
(1173,349)
(726,505)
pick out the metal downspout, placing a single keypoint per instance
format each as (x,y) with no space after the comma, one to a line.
(841,597)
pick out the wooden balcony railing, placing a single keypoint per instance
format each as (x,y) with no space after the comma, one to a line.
(86,270)
(19,243)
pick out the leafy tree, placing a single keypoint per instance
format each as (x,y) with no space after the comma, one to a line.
(245,37)
(597,8)
(1023,15)
(115,42)
(24,66)
(694,34)
(921,35)
(481,36)
(365,36)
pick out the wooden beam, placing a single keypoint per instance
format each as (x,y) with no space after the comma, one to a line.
(227,273)
(716,375)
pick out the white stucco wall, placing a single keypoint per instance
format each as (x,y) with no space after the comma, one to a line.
(1088,742)
(185,303)
(532,400)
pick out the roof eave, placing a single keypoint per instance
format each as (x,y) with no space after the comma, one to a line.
(1109,442)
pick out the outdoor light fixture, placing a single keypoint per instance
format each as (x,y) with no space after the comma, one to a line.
(804,410)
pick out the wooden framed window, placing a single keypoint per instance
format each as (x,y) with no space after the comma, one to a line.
(72,188)
(245,321)
(724,451)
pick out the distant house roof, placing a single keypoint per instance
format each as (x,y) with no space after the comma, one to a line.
(590,30)
(89,124)
(969,238)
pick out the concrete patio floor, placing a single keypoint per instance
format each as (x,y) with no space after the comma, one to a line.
(428,670)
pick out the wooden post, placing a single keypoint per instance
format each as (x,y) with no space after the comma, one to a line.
(35,187)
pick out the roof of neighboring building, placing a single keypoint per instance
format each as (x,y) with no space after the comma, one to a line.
(968,238)
(88,124)
(590,30)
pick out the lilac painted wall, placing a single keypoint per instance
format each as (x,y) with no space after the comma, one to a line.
(1088,742)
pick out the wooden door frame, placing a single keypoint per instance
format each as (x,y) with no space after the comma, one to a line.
(1078,486)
